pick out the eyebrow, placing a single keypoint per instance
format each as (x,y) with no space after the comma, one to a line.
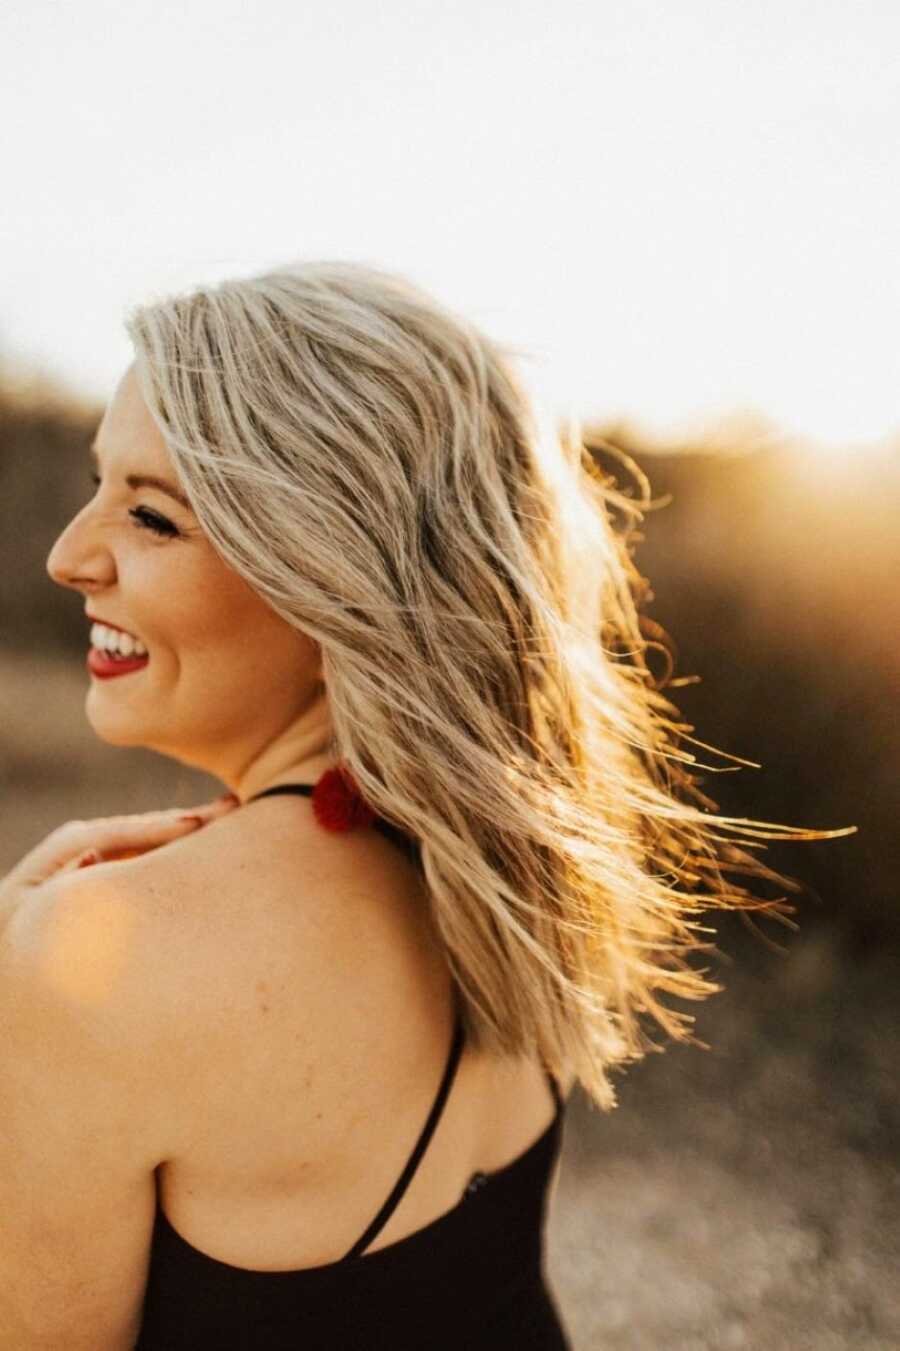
(148,481)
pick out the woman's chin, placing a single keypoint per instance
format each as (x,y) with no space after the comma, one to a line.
(118,730)
(115,738)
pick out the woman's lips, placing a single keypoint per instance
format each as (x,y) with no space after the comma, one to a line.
(102,666)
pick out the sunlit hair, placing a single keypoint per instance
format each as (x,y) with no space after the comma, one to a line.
(370,464)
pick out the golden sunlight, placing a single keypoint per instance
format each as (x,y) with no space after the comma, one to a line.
(88,943)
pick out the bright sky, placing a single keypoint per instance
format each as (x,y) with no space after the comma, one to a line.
(679,207)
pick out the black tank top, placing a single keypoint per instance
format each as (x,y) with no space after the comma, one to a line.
(473,1278)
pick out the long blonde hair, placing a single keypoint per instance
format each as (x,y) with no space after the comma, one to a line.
(371,466)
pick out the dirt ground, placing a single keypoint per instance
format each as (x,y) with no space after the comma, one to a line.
(744,1196)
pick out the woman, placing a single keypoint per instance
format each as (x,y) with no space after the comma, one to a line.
(314,1054)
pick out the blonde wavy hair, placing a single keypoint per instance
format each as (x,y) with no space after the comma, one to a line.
(370,464)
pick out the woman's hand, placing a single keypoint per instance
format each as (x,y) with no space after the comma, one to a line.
(77,844)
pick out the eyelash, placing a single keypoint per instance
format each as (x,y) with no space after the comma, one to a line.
(144,519)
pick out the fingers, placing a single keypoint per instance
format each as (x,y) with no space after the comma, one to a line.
(222,805)
(128,836)
(209,811)
(78,844)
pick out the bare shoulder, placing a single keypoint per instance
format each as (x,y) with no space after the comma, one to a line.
(64,967)
(257,921)
(78,937)
(261,910)
(170,953)
(73,966)
(209,905)
(249,942)
(132,936)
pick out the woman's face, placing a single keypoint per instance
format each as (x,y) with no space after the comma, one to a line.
(230,688)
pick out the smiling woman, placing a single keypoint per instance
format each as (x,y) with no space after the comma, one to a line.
(387,589)
(205,632)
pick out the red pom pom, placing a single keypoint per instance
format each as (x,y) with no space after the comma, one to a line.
(338,803)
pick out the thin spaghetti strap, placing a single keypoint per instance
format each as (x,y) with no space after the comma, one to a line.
(555,1090)
(306,789)
(420,1146)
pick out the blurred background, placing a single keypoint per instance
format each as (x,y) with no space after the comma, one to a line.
(684,218)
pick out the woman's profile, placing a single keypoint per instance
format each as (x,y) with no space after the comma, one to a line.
(313,1044)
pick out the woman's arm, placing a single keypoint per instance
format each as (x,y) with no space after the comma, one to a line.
(82,1116)
(84,1101)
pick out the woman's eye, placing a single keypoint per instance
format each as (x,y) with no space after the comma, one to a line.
(149,520)
(145,519)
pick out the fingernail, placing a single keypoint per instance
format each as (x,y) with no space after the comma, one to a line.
(190,818)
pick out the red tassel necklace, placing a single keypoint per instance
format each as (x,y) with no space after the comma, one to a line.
(337,802)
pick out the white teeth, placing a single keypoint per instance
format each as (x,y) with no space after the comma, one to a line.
(112,640)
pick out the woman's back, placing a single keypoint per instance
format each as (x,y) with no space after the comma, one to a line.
(323,1019)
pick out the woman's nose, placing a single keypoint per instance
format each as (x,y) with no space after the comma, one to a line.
(75,560)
